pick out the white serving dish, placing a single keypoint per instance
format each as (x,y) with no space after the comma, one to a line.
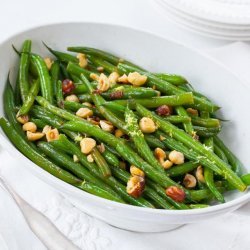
(157,54)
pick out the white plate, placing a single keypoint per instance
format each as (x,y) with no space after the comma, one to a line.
(214,11)
(201,21)
(157,54)
(203,28)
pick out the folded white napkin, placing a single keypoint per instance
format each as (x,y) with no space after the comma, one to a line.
(230,231)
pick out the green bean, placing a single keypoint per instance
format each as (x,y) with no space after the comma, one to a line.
(71,148)
(153,142)
(182,169)
(54,72)
(66,162)
(208,122)
(122,92)
(39,122)
(208,173)
(9,110)
(99,62)
(80,89)
(232,159)
(206,132)
(246,179)
(85,98)
(64,71)
(168,88)
(114,107)
(187,125)
(190,142)
(101,163)
(44,77)
(17,92)
(61,56)
(59,94)
(98,191)
(177,119)
(138,138)
(155,102)
(101,54)
(174,79)
(203,194)
(220,153)
(110,157)
(30,98)
(34,155)
(75,69)
(24,69)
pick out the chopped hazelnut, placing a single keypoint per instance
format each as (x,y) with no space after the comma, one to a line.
(147,125)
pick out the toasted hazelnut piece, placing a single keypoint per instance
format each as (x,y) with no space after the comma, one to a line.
(72,98)
(195,136)
(161,156)
(30,126)
(113,78)
(87,145)
(167,164)
(147,125)
(176,193)
(82,60)
(135,186)
(48,61)
(118,133)
(192,111)
(22,118)
(87,104)
(199,174)
(84,112)
(123,79)
(122,165)
(137,79)
(106,125)
(75,158)
(162,138)
(93,121)
(103,83)
(34,136)
(94,76)
(46,129)
(52,134)
(90,158)
(136,171)
(189,181)
(164,110)
(100,69)
(176,157)
(101,148)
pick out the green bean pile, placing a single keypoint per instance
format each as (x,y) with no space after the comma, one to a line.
(115,130)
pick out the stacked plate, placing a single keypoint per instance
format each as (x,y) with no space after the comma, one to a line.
(223,19)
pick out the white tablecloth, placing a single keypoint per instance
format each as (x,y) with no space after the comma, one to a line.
(228,232)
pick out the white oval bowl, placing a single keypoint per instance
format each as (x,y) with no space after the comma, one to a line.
(156,54)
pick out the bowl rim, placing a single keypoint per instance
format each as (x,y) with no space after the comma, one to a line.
(49,178)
